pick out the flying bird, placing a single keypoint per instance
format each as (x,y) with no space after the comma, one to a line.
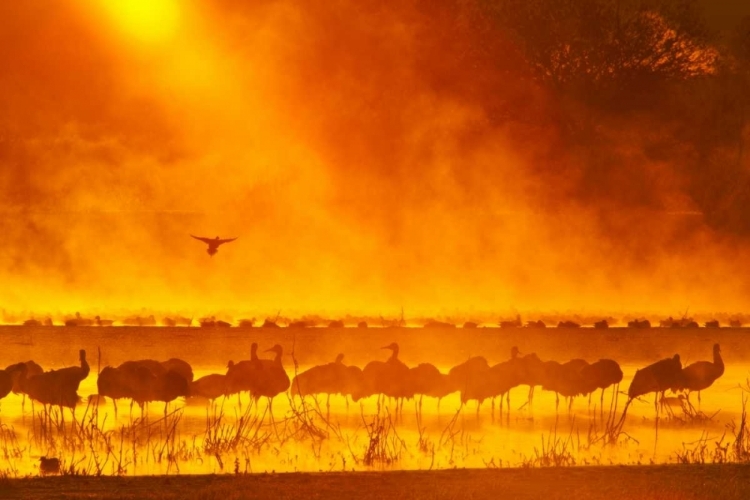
(213,244)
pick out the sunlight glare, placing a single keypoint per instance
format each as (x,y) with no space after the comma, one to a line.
(148,21)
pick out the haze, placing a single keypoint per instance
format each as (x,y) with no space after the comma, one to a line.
(367,157)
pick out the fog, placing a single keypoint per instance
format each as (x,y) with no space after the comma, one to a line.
(367,158)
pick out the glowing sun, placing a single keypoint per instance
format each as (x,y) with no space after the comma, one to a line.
(149,21)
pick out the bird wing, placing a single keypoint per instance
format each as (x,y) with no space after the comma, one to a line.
(221,242)
(204,240)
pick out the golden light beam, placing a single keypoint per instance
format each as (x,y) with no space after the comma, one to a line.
(146,21)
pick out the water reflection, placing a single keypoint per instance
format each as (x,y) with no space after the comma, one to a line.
(197,436)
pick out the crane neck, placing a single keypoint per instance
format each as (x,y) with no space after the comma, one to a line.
(718,362)
(84,364)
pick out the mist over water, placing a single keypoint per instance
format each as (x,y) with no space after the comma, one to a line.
(367,158)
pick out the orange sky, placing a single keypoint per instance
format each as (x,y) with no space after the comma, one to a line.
(356,151)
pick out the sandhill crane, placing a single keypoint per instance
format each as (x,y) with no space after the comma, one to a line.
(533,374)
(601,375)
(210,387)
(472,380)
(140,321)
(564,379)
(242,376)
(467,376)
(657,377)
(636,323)
(700,375)
(502,378)
(9,378)
(179,366)
(514,372)
(482,383)
(349,381)
(426,380)
(387,378)
(354,382)
(272,378)
(130,380)
(58,387)
(142,382)
(103,322)
(158,368)
(463,375)
(322,379)
(79,321)
(32,370)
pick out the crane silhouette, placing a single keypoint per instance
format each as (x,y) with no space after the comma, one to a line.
(701,374)
(213,244)
(386,378)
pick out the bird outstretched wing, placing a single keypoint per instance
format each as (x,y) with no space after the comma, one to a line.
(221,242)
(204,240)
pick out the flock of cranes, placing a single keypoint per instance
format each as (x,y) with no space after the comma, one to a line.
(212,322)
(145,381)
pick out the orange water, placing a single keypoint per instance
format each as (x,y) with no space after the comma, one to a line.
(469,440)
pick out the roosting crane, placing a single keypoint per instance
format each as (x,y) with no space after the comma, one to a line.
(701,375)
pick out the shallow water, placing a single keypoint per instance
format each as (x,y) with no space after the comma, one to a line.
(448,440)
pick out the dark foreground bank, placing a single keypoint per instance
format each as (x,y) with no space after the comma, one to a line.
(612,483)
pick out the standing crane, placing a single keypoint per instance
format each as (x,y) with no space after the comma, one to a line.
(701,375)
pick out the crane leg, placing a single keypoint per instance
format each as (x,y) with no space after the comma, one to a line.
(62,418)
(531,397)
(508,396)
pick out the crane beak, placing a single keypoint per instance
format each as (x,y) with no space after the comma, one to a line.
(386,347)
